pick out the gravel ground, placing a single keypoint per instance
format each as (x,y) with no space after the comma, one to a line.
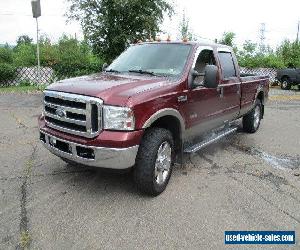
(243,182)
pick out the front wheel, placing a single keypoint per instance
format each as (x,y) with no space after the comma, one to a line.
(285,83)
(154,161)
(251,121)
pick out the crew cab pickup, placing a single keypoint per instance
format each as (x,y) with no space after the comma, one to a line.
(156,101)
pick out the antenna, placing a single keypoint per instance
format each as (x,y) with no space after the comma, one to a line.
(297,40)
(262,37)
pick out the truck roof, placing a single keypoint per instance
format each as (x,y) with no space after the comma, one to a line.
(194,43)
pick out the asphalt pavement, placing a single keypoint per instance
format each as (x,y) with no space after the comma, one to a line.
(243,182)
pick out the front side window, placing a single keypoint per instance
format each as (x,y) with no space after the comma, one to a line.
(206,57)
(160,59)
(227,64)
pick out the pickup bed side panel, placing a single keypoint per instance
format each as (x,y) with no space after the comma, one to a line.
(250,88)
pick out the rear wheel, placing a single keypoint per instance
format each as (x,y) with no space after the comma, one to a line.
(154,161)
(285,83)
(251,121)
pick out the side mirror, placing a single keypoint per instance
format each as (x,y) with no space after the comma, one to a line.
(210,77)
(194,73)
(104,66)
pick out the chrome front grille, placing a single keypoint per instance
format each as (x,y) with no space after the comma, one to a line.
(73,114)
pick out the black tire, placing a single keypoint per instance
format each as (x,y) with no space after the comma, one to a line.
(250,122)
(285,83)
(145,167)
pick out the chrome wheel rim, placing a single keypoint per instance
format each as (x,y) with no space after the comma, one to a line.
(163,163)
(284,84)
(256,116)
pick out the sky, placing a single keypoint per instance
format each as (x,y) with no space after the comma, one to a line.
(207,19)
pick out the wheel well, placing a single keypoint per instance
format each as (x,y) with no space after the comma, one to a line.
(172,124)
(284,77)
(260,97)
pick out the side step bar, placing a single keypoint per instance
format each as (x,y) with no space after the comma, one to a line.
(204,143)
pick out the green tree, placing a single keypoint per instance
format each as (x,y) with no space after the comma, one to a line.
(25,55)
(228,39)
(6,55)
(185,32)
(290,53)
(251,57)
(71,57)
(7,69)
(249,48)
(49,53)
(24,39)
(110,25)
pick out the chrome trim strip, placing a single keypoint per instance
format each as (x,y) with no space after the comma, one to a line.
(66,96)
(229,84)
(254,80)
(71,131)
(72,97)
(88,118)
(114,158)
(66,108)
(65,119)
(165,112)
(66,130)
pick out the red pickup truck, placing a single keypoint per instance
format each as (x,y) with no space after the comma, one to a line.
(156,101)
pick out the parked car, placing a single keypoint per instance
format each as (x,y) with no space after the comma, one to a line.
(288,77)
(156,101)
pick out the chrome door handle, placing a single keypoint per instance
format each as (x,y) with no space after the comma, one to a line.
(220,91)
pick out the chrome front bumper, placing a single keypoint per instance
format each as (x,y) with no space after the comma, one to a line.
(114,158)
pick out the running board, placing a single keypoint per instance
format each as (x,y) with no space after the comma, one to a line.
(204,143)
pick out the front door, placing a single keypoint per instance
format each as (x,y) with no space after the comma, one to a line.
(203,108)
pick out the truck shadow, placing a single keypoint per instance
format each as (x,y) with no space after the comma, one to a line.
(101,181)
(92,180)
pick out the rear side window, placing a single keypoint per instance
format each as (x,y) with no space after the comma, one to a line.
(227,64)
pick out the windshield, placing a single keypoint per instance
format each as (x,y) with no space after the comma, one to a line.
(157,59)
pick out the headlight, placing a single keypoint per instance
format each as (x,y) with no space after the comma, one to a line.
(118,118)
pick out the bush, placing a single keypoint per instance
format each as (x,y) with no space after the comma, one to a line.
(24,83)
(7,72)
(6,55)
(25,55)
(73,58)
(261,61)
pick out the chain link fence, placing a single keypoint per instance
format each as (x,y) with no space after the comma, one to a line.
(30,75)
(261,71)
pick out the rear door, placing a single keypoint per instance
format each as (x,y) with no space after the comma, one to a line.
(230,85)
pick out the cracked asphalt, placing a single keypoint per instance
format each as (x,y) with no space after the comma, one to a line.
(243,182)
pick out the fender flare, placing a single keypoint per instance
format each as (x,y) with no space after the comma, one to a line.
(165,112)
(259,90)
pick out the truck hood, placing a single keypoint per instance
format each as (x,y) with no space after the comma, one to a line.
(111,88)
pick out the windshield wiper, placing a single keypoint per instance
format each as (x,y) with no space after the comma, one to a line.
(112,70)
(141,71)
